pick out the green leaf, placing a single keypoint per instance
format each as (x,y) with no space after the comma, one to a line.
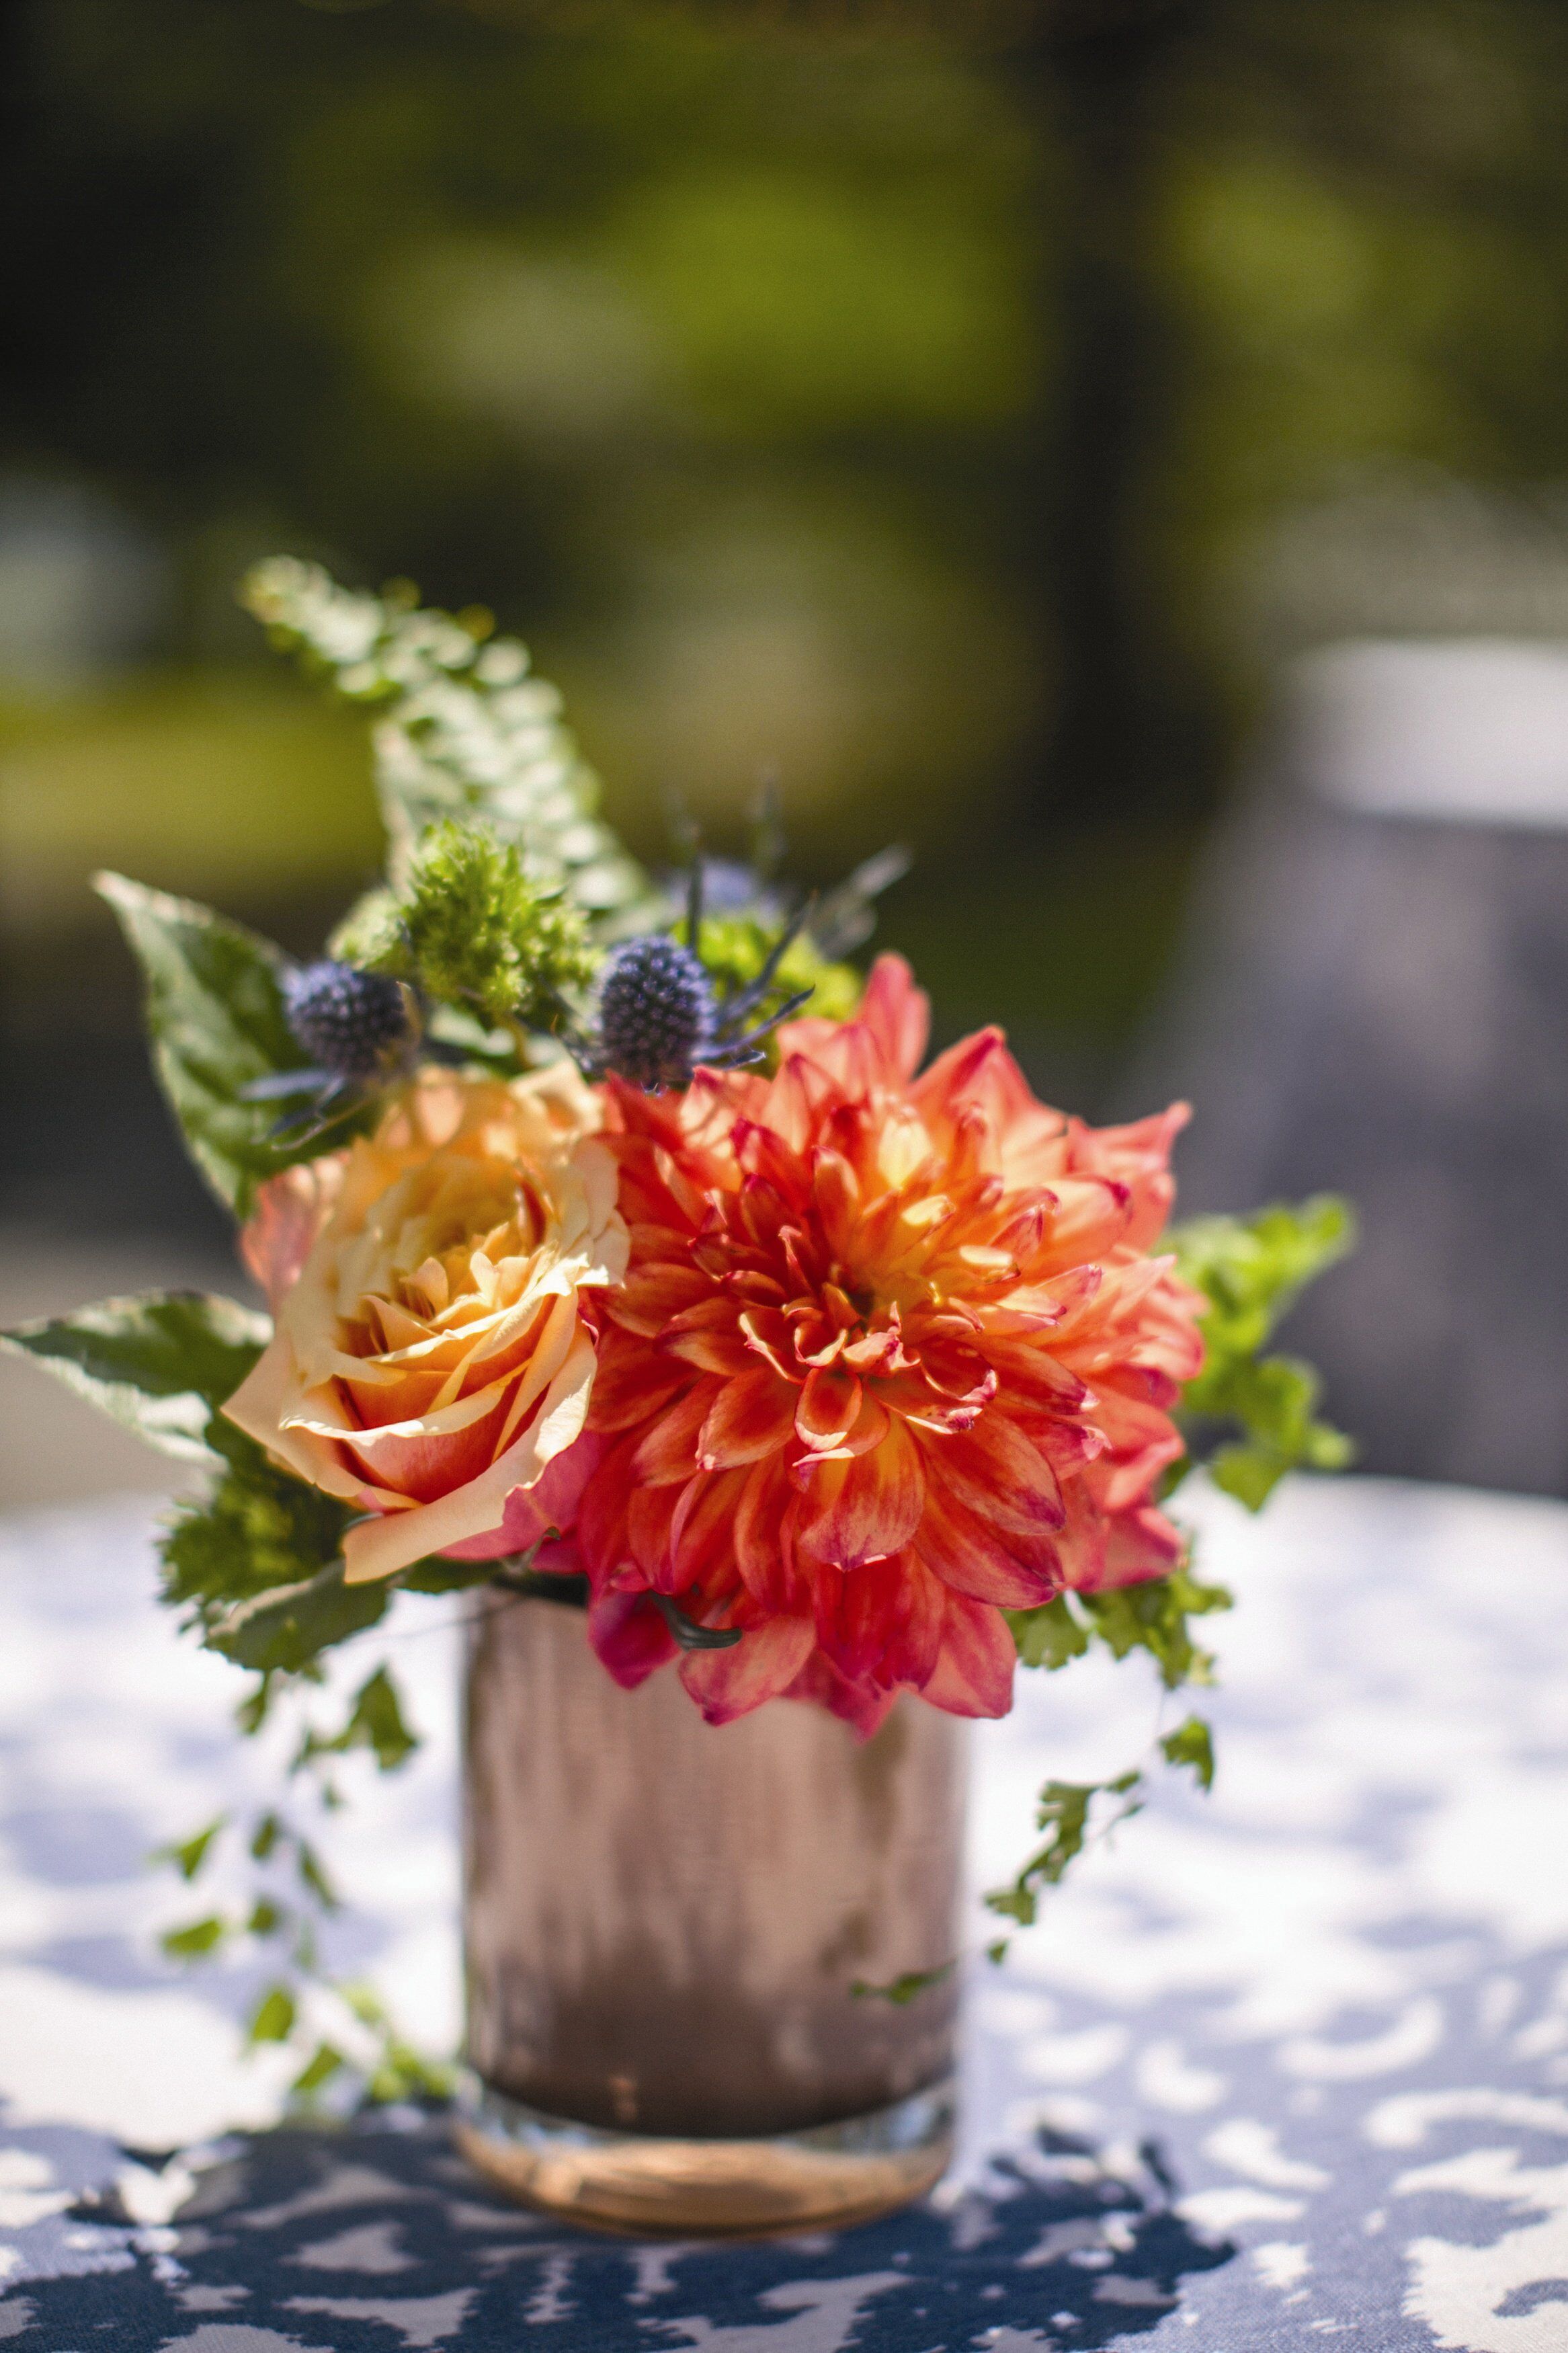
(1049,1636)
(264,1837)
(1251,1271)
(1064,1812)
(1152,1616)
(376,1723)
(260,1532)
(321,2066)
(464,731)
(288,1627)
(266,1918)
(903,1989)
(215,1013)
(274,2017)
(1192,1743)
(311,1874)
(192,1943)
(404,2074)
(159,1363)
(187,1856)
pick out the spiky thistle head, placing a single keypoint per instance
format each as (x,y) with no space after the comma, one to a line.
(349,1022)
(656,1014)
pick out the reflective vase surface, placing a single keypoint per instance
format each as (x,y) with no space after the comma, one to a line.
(664,1922)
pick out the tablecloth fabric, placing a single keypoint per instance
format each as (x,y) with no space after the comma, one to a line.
(1280,2065)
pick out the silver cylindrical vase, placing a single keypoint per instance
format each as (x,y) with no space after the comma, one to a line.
(665,1924)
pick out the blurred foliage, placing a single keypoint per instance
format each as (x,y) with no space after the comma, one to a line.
(916,400)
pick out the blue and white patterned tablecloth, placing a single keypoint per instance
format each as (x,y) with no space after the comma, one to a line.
(1286,2064)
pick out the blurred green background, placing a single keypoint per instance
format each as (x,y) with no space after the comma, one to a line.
(958,410)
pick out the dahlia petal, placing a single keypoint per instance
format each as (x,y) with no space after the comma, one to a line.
(748,1417)
(820,1683)
(701,1550)
(897,1014)
(708,1336)
(997,1470)
(766,1157)
(763,1209)
(633,1386)
(837,1195)
(828,1407)
(870,1504)
(652,1296)
(761,1664)
(763,1539)
(973,1675)
(1140,1545)
(881,1623)
(770,1335)
(649,1513)
(629,1636)
(601,1514)
(669,1447)
(970,1556)
(1090,1221)
(798,1094)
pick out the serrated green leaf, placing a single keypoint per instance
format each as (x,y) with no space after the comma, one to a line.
(193,1942)
(287,1626)
(464,731)
(1152,1616)
(1063,1812)
(1192,1744)
(274,2017)
(1049,1636)
(1251,1271)
(376,1721)
(214,1014)
(160,1362)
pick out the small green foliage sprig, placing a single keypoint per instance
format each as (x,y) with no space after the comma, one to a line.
(464,730)
(1252,1271)
(1248,1419)
(1066,1809)
(472,928)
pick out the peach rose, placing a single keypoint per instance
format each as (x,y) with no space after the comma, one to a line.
(430,1358)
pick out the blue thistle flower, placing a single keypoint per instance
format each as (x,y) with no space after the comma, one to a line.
(658,1017)
(348,1021)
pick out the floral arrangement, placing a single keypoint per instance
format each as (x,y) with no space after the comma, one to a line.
(620,1244)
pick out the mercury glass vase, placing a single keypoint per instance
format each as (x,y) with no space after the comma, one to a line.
(665,1923)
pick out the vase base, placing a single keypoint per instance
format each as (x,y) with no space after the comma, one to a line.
(644,2185)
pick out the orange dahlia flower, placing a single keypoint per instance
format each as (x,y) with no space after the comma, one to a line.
(891,1356)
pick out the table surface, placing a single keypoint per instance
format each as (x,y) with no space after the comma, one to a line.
(1287,2064)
